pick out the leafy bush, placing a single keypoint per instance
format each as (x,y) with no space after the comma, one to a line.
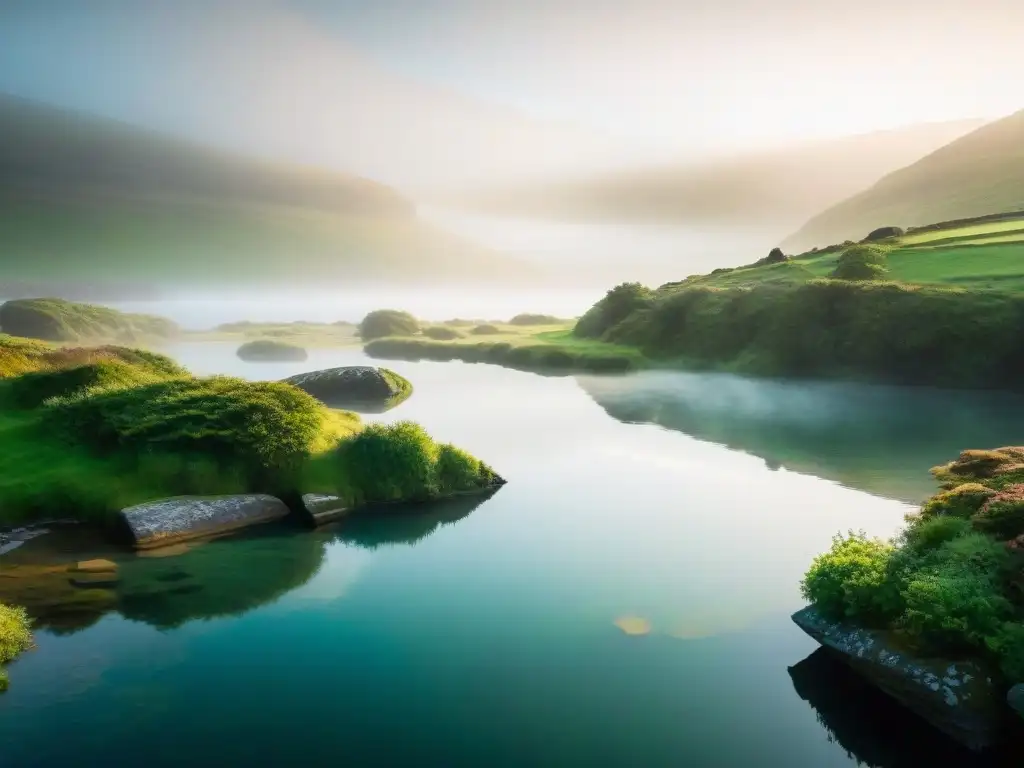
(268,350)
(440,333)
(618,304)
(850,581)
(1002,514)
(15,634)
(486,329)
(931,533)
(458,472)
(387,322)
(1008,646)
(861,262)
(962,501)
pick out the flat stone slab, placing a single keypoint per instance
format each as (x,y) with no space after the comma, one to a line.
(1015,698)
(324,508)
(170,521)
(956,696)
(95,566)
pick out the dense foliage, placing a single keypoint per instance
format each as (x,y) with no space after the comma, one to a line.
(824,328)
(15,637)
(861,262)
(440,333)
(269,350)
(387,322)
(59,320)
(418,468)
(953,581)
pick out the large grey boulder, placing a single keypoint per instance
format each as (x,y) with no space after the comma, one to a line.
(359,388)
(1015,698)
(169,521)
(324,508)
(958,697)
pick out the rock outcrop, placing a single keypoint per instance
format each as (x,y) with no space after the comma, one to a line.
(359,388)
(324,508)
(168,521)
(883,233)
(957,697)
(1015,698)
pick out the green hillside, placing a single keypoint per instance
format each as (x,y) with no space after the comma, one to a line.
(773,187)
(980,173)
(83,198)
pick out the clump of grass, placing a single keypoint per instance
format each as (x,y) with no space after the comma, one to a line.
(387,322)
(271,350)
(485,329)
(440,333)
(950,583)
(861,262)
(15,637)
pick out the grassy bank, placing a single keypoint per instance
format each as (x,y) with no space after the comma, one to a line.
(952,583)
(69,321)
(545,351)
(300,333)
(88,432)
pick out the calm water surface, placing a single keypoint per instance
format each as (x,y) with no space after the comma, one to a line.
(484,634)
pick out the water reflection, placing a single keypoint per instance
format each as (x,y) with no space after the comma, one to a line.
(873,438)
(223,577)
(872,727)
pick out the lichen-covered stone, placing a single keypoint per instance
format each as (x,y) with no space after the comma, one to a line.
(956,696)
(168,521)
(324,508)
(357,387)
(1015,698)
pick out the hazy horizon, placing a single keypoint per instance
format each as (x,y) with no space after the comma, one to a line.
(426,95)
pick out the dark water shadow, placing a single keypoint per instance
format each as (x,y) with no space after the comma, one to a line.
(406,524)
(879,439)
(873,728)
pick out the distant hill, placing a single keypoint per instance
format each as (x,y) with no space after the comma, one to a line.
(977,174)
(780,187)
(88,199)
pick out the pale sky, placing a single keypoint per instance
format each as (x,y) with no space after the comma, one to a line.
(424,92)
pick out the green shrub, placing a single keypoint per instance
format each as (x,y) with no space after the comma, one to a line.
(405,449)
(1002,514)
(932,532)
(269,350)
(440,333)
(850,581)
(1008,646)
(387,322)
(962,501)
(486,329)
(618,304)
(15,632)
(259,425)
(861,262)
(457,471)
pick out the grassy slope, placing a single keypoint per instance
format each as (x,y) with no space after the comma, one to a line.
(980,173)
(67,321)
(87,432)
(85,198)
(785,185)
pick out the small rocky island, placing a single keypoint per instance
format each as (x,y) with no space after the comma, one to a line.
(935,618)
(359,388)
(271,351)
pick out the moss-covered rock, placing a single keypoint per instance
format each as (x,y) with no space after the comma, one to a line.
(357,388)
(387,322)
(271,351)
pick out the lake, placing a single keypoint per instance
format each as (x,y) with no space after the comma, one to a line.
(682,506)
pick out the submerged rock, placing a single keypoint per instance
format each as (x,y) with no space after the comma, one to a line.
(324,508)
(355,387)
(1015,698)
(169,521)
(957,697)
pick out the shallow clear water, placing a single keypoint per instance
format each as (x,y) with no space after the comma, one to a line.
(487,635)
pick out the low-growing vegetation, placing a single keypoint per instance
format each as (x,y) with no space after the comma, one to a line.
(534,319)
(271,350)
(89,432)
(440,333)
(308,335)
(486,329)
(15,637)
(952,584)
(64,321)
(387,322)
